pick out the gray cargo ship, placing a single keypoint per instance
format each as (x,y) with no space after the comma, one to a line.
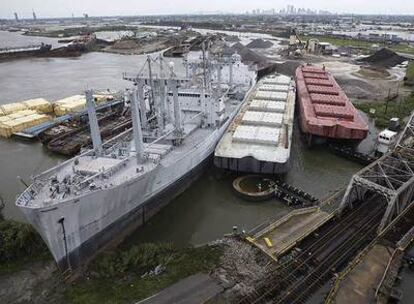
(87,201)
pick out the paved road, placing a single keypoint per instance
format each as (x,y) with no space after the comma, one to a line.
(198,288)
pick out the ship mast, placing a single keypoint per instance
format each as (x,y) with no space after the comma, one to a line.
(93,123)
(151,81)
(136,125)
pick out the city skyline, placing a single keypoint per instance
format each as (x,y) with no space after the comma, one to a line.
(60,8)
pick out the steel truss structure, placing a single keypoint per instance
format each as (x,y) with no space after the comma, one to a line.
(391,177)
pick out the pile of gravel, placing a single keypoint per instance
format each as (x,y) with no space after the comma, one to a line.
(249,56)
(259,44)
(384,58)
(231,38)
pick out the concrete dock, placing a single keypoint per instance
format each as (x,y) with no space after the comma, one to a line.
(359,286)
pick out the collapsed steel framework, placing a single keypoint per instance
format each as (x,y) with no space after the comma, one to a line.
(391,177)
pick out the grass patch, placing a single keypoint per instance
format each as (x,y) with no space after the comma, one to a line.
(362,44)
(343,42)
(117,277)
(74,31)
(409,77)
(19,245)
(382,116)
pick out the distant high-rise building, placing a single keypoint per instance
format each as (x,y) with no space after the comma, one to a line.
(16,17)
(34,16)
(86,16)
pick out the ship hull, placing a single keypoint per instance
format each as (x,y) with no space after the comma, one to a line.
(251,165)
(115,232)
(75,230)
(24,54)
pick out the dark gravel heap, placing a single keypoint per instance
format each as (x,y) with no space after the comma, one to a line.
(384,58)
(259,44)
(248,55)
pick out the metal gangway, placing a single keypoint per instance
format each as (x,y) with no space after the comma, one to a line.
(391,177)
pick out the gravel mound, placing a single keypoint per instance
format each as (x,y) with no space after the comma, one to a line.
(231,38)
(242,268)
(259,44)
(249,56)
(384,58)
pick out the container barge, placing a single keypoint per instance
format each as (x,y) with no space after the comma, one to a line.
(260,137)
(27,51)
(325,111)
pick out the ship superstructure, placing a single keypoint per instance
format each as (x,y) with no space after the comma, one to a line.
(259,139)
(83,203)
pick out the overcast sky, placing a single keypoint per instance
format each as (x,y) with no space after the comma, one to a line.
(65,8)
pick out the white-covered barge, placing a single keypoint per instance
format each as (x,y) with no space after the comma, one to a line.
(260,137)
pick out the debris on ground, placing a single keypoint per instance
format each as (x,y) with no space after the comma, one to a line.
(259,44)
(384,58)
(125,44)
(241,269)
(231,38)
(359,89)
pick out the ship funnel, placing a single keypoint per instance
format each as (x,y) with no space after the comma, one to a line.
(136,125)
(93,123)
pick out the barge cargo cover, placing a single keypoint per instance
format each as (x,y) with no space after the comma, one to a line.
(259,138)
(325,110)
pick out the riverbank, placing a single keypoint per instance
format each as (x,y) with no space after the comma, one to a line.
(385,110)
(76,31)
(409,78)
(28,273)
(362,44)
(114,277)
(20,245)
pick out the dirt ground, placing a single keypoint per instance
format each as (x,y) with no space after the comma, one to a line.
(38,283)
(131,47)
(367,83)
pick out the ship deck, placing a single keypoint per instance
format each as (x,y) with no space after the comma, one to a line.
(87,173)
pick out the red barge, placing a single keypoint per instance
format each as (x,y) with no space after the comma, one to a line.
(325,110)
